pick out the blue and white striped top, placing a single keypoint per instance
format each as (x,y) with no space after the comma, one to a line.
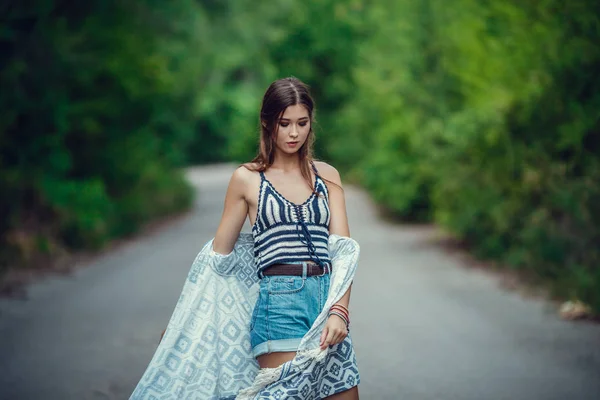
(288,233)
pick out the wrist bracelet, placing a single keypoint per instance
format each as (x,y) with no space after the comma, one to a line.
(346,316)
(342,310)
(341,316)
(342,306)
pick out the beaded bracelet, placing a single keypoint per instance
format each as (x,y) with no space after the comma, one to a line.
(339,315)
(345,311)
(344,308)
(341,311)
(341,308)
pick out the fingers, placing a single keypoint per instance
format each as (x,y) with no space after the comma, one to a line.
(333,333)
(323,337)
(339,337)
(329,340)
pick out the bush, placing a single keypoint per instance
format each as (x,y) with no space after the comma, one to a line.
(97,111)
(484,116)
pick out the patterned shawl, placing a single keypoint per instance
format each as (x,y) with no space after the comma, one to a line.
(205,353)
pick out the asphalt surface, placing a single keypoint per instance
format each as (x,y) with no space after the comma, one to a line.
(424,326)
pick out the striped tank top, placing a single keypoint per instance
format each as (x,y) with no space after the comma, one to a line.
(289,233)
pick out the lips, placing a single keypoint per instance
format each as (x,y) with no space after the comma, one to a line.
(292,143)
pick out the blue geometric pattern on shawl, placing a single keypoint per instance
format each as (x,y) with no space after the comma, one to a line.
(205,353)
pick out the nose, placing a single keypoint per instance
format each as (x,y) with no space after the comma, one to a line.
(294,132)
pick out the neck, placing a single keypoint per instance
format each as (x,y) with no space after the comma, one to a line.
(286,162)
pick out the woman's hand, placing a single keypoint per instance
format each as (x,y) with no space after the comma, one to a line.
(335,332)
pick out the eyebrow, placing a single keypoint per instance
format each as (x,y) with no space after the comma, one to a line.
(299,119)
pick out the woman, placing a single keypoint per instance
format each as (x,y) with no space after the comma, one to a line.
(292,208)
(278,298)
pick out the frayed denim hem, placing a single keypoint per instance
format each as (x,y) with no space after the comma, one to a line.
(276,346)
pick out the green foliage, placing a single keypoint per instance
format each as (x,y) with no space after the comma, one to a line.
(485,116)
(97,107)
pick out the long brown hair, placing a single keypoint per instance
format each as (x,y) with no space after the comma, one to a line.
(280,95)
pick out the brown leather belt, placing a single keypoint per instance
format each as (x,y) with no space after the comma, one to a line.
(294,269)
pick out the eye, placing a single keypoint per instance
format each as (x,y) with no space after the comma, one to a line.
(283,124)
(303,123)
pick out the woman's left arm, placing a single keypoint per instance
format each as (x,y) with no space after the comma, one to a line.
(335,330)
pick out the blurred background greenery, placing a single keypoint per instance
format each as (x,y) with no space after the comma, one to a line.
(482,116)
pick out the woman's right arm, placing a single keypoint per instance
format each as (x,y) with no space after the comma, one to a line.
(234,213)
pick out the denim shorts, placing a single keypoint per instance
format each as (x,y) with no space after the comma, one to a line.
(286,308)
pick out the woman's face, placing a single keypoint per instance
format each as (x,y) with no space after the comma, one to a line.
(293,129)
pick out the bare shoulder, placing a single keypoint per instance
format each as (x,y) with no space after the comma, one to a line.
(244,175)
(245,180)
(328,172)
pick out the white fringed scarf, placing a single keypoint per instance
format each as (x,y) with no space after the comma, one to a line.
(205,353)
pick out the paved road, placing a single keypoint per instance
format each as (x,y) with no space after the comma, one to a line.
(424,327)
